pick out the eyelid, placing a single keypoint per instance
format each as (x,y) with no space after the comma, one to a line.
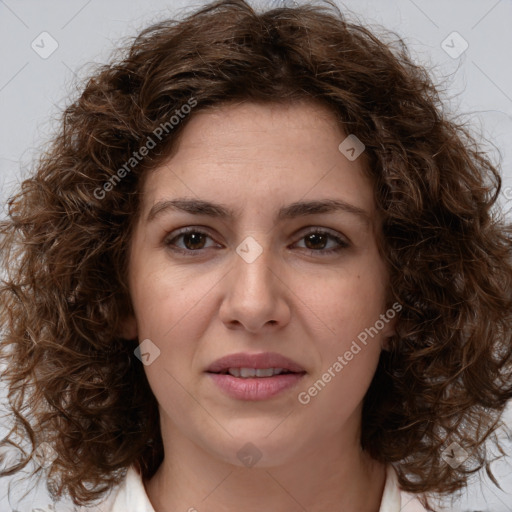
(342,241)
(328,231)
(173,235)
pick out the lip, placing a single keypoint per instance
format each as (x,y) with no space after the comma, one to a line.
(258,388)
(263,360)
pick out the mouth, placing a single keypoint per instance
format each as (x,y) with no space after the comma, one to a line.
(255,376)
(265,364)
(248,373)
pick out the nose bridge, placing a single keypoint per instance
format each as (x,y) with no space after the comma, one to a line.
(254,297)
(253,275)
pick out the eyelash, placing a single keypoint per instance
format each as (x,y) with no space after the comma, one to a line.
(342,244)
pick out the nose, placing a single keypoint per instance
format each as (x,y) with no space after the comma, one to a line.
(256,295)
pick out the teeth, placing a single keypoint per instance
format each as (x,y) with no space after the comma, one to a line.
(245,373)
(268,372)
(234,371)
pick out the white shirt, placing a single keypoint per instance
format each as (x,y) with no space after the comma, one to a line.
(130,496)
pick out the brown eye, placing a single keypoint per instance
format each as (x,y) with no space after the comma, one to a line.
(193,240)
(189,240)
(317,241)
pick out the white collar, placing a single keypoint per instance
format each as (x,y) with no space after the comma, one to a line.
(131,496)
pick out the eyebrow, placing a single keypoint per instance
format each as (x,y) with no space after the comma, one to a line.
(291,211)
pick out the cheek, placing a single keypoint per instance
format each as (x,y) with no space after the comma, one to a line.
(170,311)
(170,308)
(167,298)
(333,396)
(345,302)
(346,307)
(333,403)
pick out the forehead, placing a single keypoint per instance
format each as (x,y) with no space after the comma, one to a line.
(257,155)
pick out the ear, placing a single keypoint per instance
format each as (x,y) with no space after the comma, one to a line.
(129,329)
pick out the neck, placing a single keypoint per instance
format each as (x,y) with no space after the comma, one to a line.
(333,476)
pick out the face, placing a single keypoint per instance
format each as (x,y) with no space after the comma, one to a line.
(256,249)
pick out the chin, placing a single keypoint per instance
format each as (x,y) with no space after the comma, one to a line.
(258,444)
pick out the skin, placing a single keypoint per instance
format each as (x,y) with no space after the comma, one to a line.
(196,308)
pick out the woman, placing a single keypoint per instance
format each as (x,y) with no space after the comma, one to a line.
(258,269)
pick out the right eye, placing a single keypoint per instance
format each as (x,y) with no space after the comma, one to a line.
(193,240)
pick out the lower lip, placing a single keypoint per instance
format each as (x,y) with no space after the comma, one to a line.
(257,388)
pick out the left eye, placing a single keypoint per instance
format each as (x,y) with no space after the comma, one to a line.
(318,237)
(315,241)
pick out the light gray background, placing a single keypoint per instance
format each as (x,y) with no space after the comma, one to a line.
(478,85)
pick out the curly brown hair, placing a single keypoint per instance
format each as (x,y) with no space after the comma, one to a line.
(75,384)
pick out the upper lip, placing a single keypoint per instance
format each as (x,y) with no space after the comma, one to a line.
(263,360)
